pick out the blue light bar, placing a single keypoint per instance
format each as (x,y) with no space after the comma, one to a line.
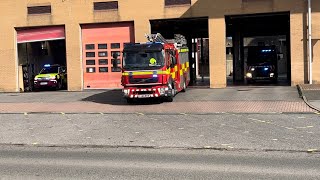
(47,65)
(266,50)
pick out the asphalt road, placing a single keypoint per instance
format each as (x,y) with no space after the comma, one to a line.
(281,132)
(141,163)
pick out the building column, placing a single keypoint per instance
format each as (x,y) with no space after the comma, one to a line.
(217,52)
(74,57)
(9,59)
(141,27)
(299,67)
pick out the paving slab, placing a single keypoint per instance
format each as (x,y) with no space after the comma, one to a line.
(235,99)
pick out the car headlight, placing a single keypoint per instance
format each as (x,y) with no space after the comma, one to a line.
(266,69)
(253,69)
(249,75)
(271,74)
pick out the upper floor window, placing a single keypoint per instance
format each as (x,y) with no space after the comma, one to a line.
(177,2)
(39,9)
(110,5)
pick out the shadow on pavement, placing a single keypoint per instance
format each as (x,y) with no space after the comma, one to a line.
(114,97)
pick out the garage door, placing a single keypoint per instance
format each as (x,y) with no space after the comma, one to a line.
(100,42)
(40,34)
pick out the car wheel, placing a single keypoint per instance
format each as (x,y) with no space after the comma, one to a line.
(59,85)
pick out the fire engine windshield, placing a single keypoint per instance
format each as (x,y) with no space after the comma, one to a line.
(143,60)
(262,56)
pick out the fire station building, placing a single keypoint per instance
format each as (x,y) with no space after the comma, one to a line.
(83,36)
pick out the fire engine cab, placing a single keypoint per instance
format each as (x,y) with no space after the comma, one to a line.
(155,69)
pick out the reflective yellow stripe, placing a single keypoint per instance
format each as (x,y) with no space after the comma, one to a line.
(187,64)
(183,66)
(145,72)
(176,68)
(173,75)
(181,72)
(183,50)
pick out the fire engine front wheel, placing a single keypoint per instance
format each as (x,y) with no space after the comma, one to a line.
(172,93)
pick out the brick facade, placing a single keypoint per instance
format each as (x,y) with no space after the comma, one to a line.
(73,13)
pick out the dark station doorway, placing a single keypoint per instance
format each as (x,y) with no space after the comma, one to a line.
(258,49)
(40,49)
(195,31)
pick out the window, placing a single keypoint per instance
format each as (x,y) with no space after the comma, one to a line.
(39,10)
(102,46)
(89,46)
(90,62)
(90,54)
(103,54)
(115,45)
(177,2)
(116,69)
(111,5)
(91,69)
(115,52)
(103,69)
(117,60)
(103,61)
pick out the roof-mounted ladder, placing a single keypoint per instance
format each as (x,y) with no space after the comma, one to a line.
(156,38)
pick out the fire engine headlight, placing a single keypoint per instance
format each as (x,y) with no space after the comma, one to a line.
(249,75)
(161,90)
(271,74)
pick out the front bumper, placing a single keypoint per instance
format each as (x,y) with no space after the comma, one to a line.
(45,84)
(260,76)
(146,92)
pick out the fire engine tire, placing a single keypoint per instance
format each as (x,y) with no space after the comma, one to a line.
(184,88)
(169,99)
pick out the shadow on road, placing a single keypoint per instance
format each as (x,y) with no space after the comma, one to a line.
(114,97)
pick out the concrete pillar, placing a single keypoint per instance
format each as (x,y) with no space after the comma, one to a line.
(141,27)
(298,70)
(217,52)
(9,59)
(74,57)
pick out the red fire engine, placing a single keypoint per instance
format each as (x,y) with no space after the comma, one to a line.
(155,69)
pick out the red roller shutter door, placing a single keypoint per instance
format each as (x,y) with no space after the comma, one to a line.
(40,34)
(100,41)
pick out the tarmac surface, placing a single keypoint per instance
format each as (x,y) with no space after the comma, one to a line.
(233,99)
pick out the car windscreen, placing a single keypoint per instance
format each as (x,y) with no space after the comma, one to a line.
(49,70)
(143,60)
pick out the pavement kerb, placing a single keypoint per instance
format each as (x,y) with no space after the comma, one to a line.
(301,93)
(157,114)
(313,151)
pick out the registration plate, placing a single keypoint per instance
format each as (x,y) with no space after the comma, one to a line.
(144,96)
(43,83)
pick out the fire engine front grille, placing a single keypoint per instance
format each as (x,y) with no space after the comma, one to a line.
(143,80)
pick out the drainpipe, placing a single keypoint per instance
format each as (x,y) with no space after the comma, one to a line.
(310,41)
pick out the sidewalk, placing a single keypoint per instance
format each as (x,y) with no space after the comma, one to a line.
(233,99)
(311,94)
